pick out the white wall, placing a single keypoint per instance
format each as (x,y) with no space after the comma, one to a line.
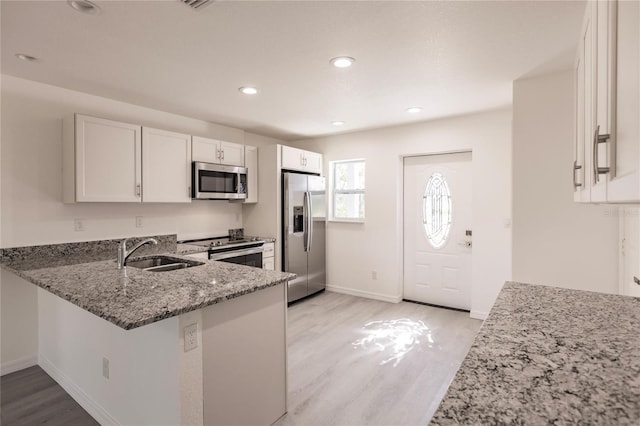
(354,250)
(32,208)
(555,241)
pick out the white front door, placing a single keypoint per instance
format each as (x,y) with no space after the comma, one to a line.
(437,229)
(631,252)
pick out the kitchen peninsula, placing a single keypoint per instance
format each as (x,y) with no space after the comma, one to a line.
(548,355)
(169,352)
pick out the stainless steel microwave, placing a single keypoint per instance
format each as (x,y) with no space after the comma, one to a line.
(218,182)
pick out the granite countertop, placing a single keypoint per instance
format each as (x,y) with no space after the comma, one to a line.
(131,297)
(186,249)
(548,355)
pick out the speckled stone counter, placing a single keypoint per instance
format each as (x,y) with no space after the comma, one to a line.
(132,298)
(547,355)
(186,249)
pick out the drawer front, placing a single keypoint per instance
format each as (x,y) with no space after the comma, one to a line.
(268,250)
(268,263)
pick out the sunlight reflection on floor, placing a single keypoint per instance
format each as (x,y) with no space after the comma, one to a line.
(398,337)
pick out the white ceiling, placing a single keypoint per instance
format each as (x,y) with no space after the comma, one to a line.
(448,57)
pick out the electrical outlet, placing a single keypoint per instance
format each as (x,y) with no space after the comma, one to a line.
(78,225)
(138,221)
(374,275)
(190,337)
(105,368)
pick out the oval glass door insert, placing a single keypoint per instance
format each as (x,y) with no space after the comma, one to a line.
(436,210)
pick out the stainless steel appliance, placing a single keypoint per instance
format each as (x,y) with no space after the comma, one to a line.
(218,182)
(245,251)
(304,231)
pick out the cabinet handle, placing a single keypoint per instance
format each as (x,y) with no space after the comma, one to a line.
(222,154)
(301,159)
(138,190)
(636,280)
(218,154)
(188,192)
(598,139)
(576,185)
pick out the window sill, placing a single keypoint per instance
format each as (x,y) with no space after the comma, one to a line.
(347,220)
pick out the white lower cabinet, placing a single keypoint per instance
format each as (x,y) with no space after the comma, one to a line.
(166,171)
(268,259)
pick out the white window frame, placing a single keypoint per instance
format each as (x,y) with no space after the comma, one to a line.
(334,192)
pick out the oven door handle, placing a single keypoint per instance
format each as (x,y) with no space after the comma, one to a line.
(235,253)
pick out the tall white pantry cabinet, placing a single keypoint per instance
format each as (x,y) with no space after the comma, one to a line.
(606,166)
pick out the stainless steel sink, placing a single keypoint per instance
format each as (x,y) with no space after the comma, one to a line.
(162,263)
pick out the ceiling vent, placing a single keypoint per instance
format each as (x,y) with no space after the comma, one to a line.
(196,4)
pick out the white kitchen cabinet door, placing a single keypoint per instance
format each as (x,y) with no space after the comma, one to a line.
(292,158)
(268,264)
(298,159)
(251,163)
(166,166)
(313,162)
(624,183)
(602,97)
(107,161)
(205,150)
(217,152)
(232,154)
(580,185)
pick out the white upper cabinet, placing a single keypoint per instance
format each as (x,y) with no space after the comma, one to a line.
(219,152)
(101,160)
(624,180)
(607,151)
(251,163)
(166,166)
(298,159)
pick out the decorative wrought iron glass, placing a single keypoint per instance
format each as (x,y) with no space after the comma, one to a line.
(436,210)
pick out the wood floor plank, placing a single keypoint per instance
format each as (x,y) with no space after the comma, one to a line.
(342,369)
(31,397)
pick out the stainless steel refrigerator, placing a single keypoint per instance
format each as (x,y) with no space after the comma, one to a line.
(304,232)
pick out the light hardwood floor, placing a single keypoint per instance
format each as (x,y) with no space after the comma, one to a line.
(346,362)
(352,361)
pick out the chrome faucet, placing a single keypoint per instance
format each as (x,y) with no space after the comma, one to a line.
(123,254)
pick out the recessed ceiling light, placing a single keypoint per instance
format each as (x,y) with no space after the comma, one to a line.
(84,6)
(337,123)
(342,62)
(414,110)
(27,58)
(248,90)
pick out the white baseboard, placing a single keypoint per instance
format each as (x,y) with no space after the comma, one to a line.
(479,315)
(18,364)
(92,407)
(367,294)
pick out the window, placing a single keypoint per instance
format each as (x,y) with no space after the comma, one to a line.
(436,212)
(347,190)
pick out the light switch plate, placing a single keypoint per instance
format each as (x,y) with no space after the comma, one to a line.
(190,337)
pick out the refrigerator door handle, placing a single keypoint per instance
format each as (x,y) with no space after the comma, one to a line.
(310,221)
(305,221)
